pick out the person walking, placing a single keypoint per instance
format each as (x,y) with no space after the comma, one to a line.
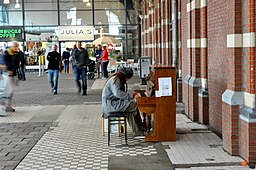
(11,60)
(65,60)
(104,59)
(22,66)
(71,59)
(53,68)
(3,82)
(81,58)
(97,55)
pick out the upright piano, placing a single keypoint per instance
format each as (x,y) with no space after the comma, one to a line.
(163,108)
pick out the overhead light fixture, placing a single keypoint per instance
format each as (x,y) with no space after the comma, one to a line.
(88,4)
(86,0)
(17,5)
(6,2)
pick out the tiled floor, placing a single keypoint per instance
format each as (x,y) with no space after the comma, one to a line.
(197,146)
(77,143)
(216,168)
(22,114)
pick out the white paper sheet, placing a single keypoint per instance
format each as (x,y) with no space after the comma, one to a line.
(165,86)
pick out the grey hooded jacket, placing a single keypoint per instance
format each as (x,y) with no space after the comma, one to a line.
(113,98)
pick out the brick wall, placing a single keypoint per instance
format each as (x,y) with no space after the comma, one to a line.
(185,27)
(218,26)
(225,64)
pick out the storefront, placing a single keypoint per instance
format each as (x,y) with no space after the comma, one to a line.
(44,22)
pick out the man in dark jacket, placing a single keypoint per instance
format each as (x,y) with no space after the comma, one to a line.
(65,60)
(21,69)
(97,55)
(80,69)
(12,60)
(53,68)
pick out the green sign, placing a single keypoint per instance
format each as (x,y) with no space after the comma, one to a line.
(10,34)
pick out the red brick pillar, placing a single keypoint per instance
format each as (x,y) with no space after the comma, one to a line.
(147,29)
(247,135)
(186,95)
(166,28)
(195,47)
(150,32)
(142,22)
(144,31)
(159,34)
(165,7)
(232,98)
(247,121)
(203,93)
(179,79)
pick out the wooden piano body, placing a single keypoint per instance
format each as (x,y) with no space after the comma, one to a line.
(164,107)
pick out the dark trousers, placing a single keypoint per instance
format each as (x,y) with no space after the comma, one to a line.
(104,68)
(81,72)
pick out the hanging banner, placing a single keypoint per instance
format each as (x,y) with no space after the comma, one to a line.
(76,33)
(10,34)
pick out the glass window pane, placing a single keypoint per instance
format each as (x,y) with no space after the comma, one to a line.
(112,17)
(15,18)
(14,7)
(74,17)
(44,18)
(108,5)
(40,33)
(40,5)
(79,5)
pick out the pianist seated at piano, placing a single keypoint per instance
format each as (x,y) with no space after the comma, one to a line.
(115,98)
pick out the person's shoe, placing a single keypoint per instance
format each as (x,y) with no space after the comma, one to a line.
(55,93)
(103,78)
(84,93)
(9,109)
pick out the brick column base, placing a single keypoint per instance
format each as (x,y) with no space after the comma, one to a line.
(247,130)
(186,96)
(230,136)
(231,101)
(194,84)
(203,106)
(179,90)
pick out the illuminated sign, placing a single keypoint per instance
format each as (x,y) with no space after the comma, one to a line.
(10,34)
(75,33)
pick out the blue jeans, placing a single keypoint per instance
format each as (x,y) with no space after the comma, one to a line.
(53,76)
(105,68)
(81,72)
(66,66)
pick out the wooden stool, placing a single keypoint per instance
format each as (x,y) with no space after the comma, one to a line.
(115,118)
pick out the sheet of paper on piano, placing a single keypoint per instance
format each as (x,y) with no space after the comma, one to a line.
(165,86)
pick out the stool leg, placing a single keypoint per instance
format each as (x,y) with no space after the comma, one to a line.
(125,130)
(109,131)
(102,126)
(119,127)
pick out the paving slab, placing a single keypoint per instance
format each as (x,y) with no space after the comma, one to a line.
(216,168)
(197,146)
(77,142)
